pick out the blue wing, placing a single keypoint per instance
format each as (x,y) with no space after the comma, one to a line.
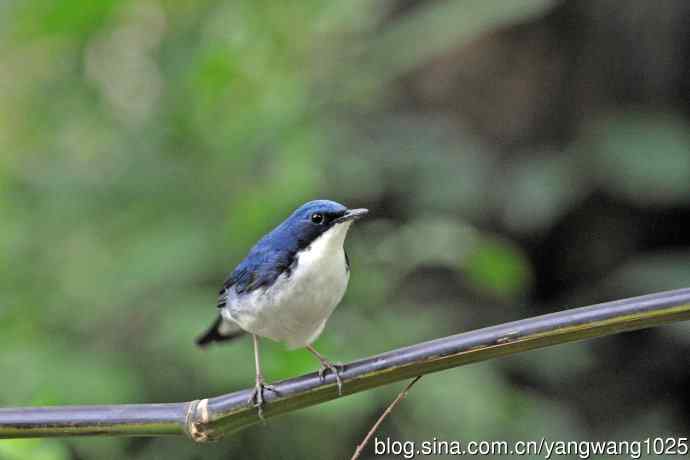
(259,269)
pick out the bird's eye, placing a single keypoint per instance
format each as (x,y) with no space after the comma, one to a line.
(317,218)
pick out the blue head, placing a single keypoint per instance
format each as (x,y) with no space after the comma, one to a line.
(276,252)
(311,220)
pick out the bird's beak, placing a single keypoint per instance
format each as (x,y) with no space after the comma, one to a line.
(352,214)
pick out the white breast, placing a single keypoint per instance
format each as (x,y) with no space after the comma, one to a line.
(295,308)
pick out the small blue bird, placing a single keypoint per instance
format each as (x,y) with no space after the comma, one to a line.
(288,285)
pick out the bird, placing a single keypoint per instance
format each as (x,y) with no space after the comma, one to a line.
(287,287)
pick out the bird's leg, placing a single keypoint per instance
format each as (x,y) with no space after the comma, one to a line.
(327,365)
(257,396)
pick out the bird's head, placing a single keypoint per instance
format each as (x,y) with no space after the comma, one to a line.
(319,218)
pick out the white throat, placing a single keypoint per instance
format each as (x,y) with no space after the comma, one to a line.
(328,244)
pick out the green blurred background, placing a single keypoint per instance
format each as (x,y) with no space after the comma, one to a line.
(518,158)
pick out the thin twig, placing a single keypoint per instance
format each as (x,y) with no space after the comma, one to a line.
(388,410)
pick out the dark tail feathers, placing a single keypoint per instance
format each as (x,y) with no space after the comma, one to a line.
(216,333)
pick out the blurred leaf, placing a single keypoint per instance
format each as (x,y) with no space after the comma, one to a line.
(538,190)
(447,243)
(66,17)
(444,24)
(643,157)
(500,268)
(651,272)
(553,365)
(43,449)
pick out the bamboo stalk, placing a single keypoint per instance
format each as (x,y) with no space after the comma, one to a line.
(212,418)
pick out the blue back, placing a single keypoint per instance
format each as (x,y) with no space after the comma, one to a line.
(275,253)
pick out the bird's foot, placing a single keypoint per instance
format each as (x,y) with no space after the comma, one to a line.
(336,368)
(257,396)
